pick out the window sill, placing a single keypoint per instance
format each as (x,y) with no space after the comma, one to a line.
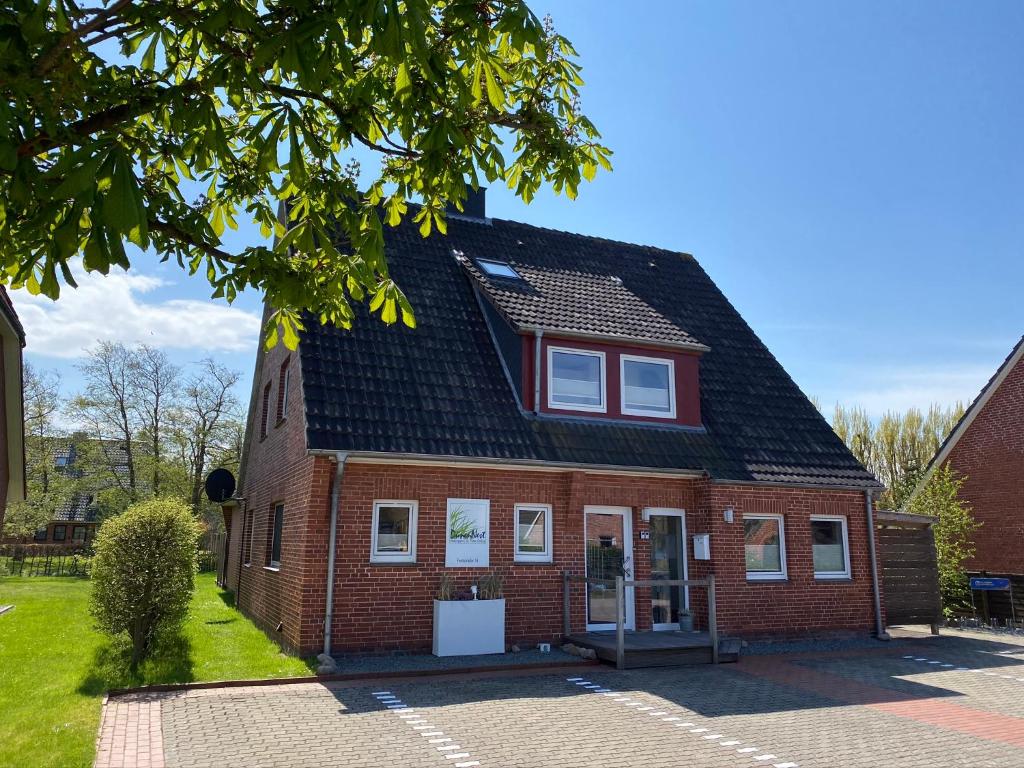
(272,568)
(395,564)
(533,562)
(840,578)
(766,579)
(247,565)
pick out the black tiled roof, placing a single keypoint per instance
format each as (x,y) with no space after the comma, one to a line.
(440,389)
(556,298)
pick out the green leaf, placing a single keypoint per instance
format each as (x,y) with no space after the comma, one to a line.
(495,95)
(403,81)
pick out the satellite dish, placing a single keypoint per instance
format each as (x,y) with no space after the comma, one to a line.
(220,485)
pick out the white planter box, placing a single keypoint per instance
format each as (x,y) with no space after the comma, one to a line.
(469,627)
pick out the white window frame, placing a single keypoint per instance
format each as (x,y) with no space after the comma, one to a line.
(249,529)
(394,557)
(272,564)
(846,573)
(665,361)
(286,390)
(603,407)
(547,556)
(781,575)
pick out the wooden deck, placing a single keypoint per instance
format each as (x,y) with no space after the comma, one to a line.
(658,649)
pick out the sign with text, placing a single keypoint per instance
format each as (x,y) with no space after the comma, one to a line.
(468,533)
(989,584)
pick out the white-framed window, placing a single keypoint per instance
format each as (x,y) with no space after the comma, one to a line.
(830,545)
(277,527)
(576,380)
(249,537)
(648,386)
(498,269)
(764,545)
(393,539)
(533,533)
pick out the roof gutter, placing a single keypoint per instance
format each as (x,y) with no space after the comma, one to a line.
(538,335)
(340,457)
(880,632)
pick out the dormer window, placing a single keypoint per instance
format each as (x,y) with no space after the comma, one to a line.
(498,269)
(576,380)
(648,386)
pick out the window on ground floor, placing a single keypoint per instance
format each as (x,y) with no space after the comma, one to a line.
(78,533)
(276,527)
(533,533)
(60,532)
(764,546)
(393,538)
(830,543)
(40,535)
(248,537)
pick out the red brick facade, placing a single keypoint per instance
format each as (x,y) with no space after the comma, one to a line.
(381,607)
(990,454)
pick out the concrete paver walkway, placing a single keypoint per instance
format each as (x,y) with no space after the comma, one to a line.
(952,700)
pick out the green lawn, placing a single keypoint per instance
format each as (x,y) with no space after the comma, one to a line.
(55,668)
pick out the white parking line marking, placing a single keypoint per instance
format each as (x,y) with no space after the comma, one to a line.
(446,747)
(439,741)
(785,765)
(934,662)
(423,727)
(470,764)
(685,725)
(656,713)
(730,743)
(766,757)
(604,690)
(573,679)
(382,693)
(456,755)
(947,665)
(670,719)
(433,733)
(698,730)
(711,736)
(747,749)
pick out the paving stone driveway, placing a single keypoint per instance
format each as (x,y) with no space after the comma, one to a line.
(957,700)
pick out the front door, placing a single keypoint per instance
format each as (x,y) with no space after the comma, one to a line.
(608,538)
(668,561)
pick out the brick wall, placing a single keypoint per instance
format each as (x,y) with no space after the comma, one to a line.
(380,607)
(990,453)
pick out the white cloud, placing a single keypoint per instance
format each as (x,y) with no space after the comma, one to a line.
(114,307)
(897,389)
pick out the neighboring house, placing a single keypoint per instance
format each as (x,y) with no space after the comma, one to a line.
(987,448)
(595,404)
(74,524)
(12,434)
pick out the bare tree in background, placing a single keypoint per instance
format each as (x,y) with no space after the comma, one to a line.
(206,423)
(155,384)
(42,404)
(108,406)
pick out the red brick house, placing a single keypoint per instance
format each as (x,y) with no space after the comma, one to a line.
(599,403)
(987,448)
(12,445)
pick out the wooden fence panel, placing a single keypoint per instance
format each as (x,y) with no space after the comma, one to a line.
(910,571)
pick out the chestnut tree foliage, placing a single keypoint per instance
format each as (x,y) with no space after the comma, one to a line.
(163,123)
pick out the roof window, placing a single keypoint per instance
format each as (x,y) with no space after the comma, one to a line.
(498,269)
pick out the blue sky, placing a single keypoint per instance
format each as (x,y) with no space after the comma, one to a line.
(848,173)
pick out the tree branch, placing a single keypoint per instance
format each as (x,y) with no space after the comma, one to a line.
(101,121)
(99,20)
(183,237)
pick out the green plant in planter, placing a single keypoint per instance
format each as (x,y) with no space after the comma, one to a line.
(490,587)
(446,588)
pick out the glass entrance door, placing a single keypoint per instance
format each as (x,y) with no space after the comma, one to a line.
(609,553)
(668,561)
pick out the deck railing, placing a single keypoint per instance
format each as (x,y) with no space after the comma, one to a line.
(621,584)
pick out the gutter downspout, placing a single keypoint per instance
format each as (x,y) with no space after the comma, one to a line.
(331,544)
(538,335)
(879,626)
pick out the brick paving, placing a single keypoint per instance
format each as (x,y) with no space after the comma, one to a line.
(857,709)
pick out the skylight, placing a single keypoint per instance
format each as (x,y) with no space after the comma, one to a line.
(498,269)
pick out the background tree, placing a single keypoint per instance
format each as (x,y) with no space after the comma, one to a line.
(109,408)
(155,391)
(205,424)
(48,488)
(953,531)
(898,447)
(168,144)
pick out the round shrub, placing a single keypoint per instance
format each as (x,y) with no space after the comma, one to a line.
(143,572)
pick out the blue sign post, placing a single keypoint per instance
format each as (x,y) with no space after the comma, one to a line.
(993,584)
(987,584)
